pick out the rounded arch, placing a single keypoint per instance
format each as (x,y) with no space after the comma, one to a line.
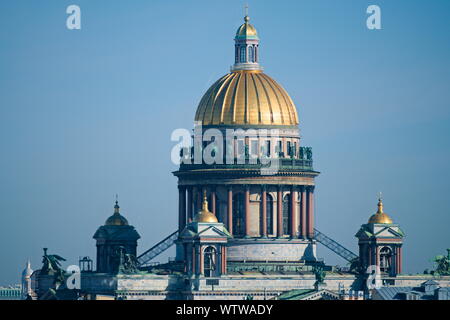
(250,54)
(386,254)
(209,261)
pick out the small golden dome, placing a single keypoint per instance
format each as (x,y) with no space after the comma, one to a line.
(246,30)
(246,97)
(380,216)
(205,215)
(116,219)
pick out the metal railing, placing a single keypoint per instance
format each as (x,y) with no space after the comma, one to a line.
(145,258)
(334,246)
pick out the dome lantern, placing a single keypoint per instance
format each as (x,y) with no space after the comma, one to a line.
(246,56)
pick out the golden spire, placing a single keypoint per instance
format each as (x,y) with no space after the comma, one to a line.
(380,216)
(205,215)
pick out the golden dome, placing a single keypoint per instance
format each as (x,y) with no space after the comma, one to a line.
(246,30)
(116,219)
(246,97)
(205,215)
(380,216)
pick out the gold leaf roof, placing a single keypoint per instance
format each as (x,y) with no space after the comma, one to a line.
(380,216)
(247,97)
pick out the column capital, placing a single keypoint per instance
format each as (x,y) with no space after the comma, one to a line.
(310,188)
(181,187)
(264,187)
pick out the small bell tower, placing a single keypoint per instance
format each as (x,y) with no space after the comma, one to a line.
(113,239)
(380,243)
(203,242)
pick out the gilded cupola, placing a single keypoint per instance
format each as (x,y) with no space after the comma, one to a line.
(205,215)
(116,219)
(380,216)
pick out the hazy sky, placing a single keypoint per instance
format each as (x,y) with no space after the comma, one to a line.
(86,114)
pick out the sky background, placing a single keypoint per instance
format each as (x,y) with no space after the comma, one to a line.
(86,114)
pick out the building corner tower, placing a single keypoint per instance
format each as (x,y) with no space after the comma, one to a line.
(380,243)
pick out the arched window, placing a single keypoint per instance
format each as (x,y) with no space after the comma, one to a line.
(243,54)
(385,259)
(209,261)
(286,214)
(250,54)
(238,215)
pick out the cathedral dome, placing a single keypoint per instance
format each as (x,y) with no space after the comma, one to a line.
(246,97)
(116,219)
(380,216)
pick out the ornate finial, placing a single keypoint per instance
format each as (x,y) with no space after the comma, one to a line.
(205,202)
(380,203)
(246,17)
(116,207)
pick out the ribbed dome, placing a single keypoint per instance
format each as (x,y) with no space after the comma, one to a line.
(246,30)
(246,98)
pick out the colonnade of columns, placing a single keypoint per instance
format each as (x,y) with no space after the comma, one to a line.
(301,195)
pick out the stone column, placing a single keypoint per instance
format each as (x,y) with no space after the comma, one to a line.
(310,214)
(189,204)
(247,211)
(292,214)
(213,200)
(230,210)
(303,213)
(224,260)
(181,207)
(194,257)
(199,198)
(377,256)
(264,211)
(200,255)
(400,260)
(279,212)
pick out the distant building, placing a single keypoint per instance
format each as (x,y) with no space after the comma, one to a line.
(27,290)
(11,293)
(428,290)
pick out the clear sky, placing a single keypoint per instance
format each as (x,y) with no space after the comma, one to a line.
(86,114)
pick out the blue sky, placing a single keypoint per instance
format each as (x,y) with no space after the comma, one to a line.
(86,114)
